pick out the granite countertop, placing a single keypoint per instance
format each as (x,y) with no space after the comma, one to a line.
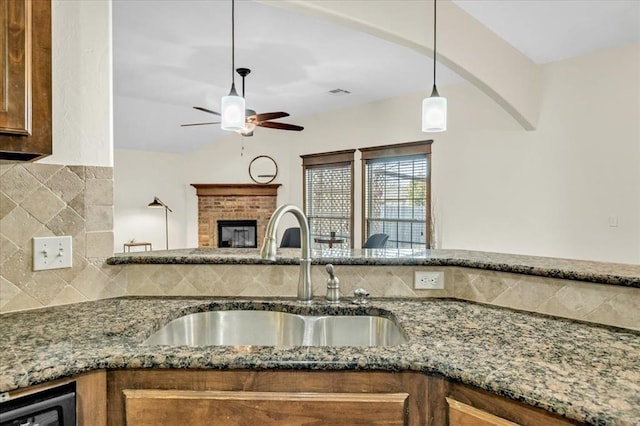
(586,372)
(583,270)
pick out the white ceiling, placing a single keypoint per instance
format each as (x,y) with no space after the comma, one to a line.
(171,55)
(552,30)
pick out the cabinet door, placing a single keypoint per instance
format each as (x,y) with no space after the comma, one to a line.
(15,54)
(465,415)
(471,406)
(179,407)
(25,79)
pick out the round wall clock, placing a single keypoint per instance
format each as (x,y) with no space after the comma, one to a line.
(263,169)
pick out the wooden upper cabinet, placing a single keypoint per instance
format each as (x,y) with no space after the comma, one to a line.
(25,79)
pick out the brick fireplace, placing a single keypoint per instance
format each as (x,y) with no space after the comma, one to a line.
(233,202)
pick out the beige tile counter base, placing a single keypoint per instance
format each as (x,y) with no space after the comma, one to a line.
(600,303)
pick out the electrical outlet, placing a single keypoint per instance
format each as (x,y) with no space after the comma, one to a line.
(428,280)
(51,253)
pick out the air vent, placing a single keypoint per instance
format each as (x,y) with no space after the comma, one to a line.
(339,92)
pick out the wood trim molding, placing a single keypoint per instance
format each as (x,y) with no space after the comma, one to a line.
(395,150)
(332,157)
(235,189)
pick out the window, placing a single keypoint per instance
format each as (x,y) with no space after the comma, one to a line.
(328,198)
(397,199)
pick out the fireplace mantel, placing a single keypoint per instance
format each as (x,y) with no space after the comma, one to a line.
(236,189)
(233,201)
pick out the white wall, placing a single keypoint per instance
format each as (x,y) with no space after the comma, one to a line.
(81,83)
(138,178)
(551,192)
(496,187)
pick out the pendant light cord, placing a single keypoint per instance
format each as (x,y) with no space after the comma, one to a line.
(434,43)
(233,42)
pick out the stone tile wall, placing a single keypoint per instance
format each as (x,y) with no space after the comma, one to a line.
(41,200)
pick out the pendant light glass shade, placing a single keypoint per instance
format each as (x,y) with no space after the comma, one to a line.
(233,110)
(434,113)
(434,108)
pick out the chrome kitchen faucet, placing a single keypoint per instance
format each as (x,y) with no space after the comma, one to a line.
(268,250)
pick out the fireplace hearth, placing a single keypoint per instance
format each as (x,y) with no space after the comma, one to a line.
(237,233)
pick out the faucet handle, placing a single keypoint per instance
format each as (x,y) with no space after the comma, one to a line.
(330,271)
(361,296)
(333,286)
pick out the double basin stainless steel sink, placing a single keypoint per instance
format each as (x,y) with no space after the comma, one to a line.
(271,328)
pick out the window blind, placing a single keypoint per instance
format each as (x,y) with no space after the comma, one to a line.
(328,201)
(396,199)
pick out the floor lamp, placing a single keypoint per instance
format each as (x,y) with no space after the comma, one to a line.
(158,204)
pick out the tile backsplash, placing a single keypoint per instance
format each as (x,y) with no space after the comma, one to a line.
(41,200)
(599,303)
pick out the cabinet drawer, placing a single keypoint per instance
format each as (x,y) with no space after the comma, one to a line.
(178,407)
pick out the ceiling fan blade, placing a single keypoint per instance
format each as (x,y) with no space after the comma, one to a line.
(270,116)
(280,126)
(199,124)
(207,110)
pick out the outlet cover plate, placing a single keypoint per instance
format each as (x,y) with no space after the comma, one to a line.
(428,280)
(52,253)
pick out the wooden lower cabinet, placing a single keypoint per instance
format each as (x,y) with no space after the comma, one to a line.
(276,397)
(239,397)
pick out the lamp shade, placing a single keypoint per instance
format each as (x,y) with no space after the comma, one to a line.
(233,111)
(156,204)
(434,113)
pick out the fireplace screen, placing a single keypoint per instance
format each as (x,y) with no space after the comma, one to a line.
(237,233)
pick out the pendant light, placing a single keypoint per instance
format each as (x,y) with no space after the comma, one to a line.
(434,108)
(233,105)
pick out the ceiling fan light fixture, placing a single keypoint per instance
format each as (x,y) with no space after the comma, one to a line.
(233,107)
(248,129)
(434,108)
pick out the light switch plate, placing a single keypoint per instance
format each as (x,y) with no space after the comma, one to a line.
(52,253)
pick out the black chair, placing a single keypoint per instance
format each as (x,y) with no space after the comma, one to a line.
(376,241)
(291,238)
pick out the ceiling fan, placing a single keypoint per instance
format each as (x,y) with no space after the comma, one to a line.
(253,119)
